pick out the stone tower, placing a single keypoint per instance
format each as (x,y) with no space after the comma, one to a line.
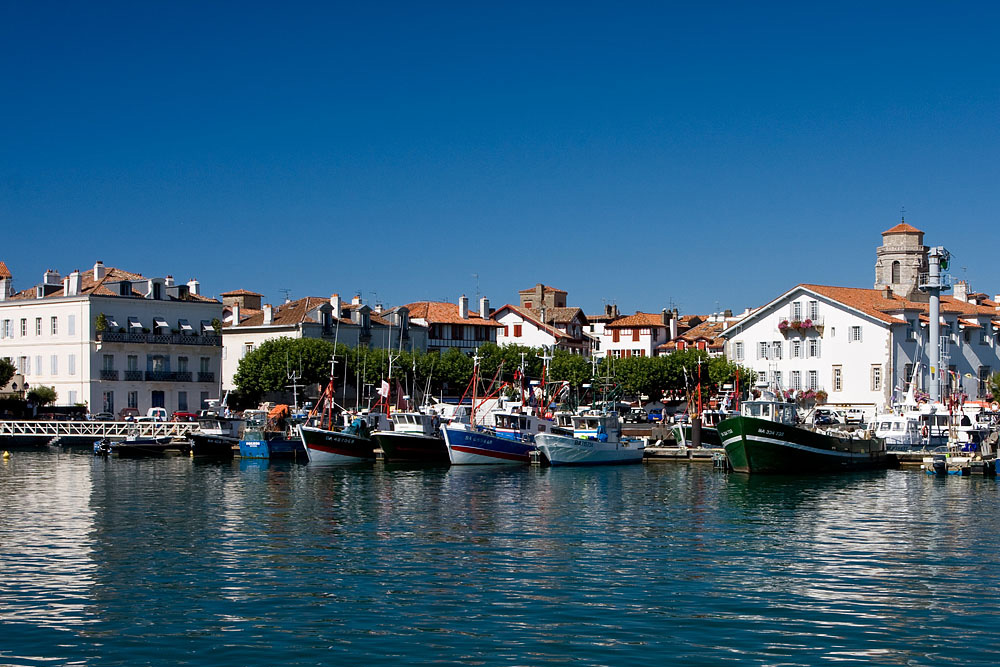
(900,260)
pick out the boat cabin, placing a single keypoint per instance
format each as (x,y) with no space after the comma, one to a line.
(603,426)
(773,410)
(417,423)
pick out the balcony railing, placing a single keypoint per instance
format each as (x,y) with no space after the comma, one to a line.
(108,374)
(206,376)
(159,339)
(133,376)
(168,376)
(814,322)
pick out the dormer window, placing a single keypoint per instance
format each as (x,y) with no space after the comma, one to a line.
(125,288)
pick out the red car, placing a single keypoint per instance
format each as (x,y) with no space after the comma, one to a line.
(184,417)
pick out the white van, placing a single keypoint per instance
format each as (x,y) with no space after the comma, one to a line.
(157,414)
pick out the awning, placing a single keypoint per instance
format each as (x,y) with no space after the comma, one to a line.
(111,321)
(134,323)
(184,325)
(160,322)
(206,327)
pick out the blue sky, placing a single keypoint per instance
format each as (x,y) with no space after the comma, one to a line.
(701,155)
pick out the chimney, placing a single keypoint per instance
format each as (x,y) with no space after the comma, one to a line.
(236,314)
(463,307)
(961,290)
(268,314)
(99,271)
(50,277)
(337,308)
(356,301)
(665,317)
(169,281)
(194,287)
(886,292)
(484,308)
(73,283)
(673,324)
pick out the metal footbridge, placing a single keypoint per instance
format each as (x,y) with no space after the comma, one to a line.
(93,429)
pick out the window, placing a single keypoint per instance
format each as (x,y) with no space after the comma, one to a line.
(133,363)
(54,325)
(203,400)
(24,326)
(108,364)
(738,351)
(701,345)
(247,349)
(6,331)
(838,378)
(38,326)
(38,364)
(182,364)
(635,335)
(638,353)
(911,330)
(762,376)
(797,310)
(615,335)
(182,401)
(72,366)
(457,331)
(205,361)
(813,348)
(855,334)
(71,325)
(72,398)
(681,344)
(517,330)
(506,333)
(796,349)
(776,349)
(894,273)
(984,377)
(833,332)
(656,334)
(54,365)
(133,399)
(984,339)
(796,380)
(813,380)
(813,310)
(762,350)
(22,365)
(109,402)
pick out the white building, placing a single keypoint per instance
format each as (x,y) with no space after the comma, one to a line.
(860,345)
(248,324)
(638,335)
(113,339)
(454,325)
(562,328)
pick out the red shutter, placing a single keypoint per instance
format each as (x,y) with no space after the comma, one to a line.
(635,335)
(614,335)
(517,331)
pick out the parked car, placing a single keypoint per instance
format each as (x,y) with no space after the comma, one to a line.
(825,416)
(655,415)
(635,416)
(102,417)
(125,413)
(854,416)
(158,414)
(184,417)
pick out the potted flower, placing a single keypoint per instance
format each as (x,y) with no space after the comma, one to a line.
(807,323)
(795,324)
(821,396)
(782,325)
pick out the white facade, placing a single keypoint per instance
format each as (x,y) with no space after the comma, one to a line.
(844,352)
(636,335)
(158,349)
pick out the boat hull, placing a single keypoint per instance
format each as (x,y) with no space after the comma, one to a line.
(562,450)
(323,446)
(765,447)
(149,447)
(411,448)
(709,436)
(212,446)
(467,447)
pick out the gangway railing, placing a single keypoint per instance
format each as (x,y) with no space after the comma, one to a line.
(95,429)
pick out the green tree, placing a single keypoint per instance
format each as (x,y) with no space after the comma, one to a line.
(42,396)
(7,371)
(266,368)
(993,387)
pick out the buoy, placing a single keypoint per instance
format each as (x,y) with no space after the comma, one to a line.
(6,454)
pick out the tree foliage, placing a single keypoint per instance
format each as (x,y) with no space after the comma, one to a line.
(266,368)
(7,371)
(42,396)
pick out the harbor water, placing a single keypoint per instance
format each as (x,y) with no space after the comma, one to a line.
(177,562)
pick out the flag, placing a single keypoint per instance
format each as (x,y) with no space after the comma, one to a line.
(383,391)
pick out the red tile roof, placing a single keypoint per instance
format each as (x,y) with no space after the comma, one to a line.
(637,320)
(530,315)
(903,228)
(707,331)
(546,288)
(4,271)
(436,312)
(100,287)
(240,292)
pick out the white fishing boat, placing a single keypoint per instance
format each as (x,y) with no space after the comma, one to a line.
(596,440)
